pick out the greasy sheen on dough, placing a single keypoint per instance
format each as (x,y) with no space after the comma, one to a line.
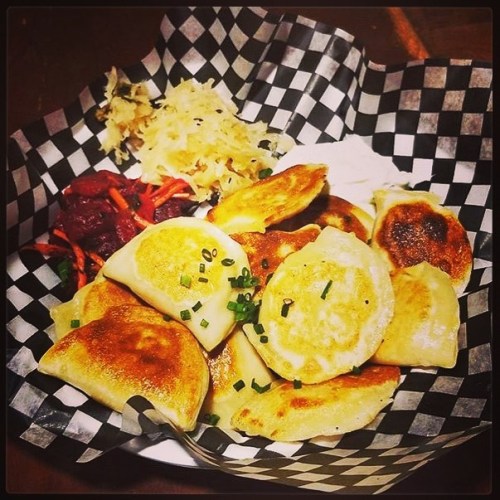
(132,350)
(343,404)
(270,200)
(424,328)
(329,210)
(325,309)
(89,303)
(411,227)
(233,365)
(182,267)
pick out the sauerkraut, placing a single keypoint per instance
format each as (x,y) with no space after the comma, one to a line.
(192,134)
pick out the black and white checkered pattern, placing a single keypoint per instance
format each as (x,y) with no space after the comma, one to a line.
(432,117)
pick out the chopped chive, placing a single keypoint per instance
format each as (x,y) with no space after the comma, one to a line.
(207,254)
(263,339)
(297,384)
(202,279)
(202,267)
(204,323)
(185,280)
(326,290)
(185,315)
(285,307)
(75,323)
(196,306)
(356,370)
(227,262)
(258,328)
(166,317)
(265,264)
(260,388)
(239,385)
(265,172)
(212,418)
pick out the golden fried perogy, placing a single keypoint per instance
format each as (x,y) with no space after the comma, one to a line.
(424,328)
(132,350)
(183,267)
(329,210)
(294,412)
(270,200)
(233,366)
(324,310)
(89,303)
(266,251)
(411,227)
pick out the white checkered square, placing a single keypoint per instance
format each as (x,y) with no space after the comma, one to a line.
(192,30)
(480,359)
(18,298)
(472,124)
(410,100)
(435,77)
(196,60)
(363,470)
(79,162)
(477,303)
(403,144)
(23,362)
(446,147)
(368,103)
(406,400)
(426,425)
(486,152)
(21,330)
(28,399)
(280,119)
(50,153)
(427,123)
(480,78)
(393,81)
(55,122)
(38,436)
(478,195)
(447,384)
(82,427)
(453,100)
(88,455)
(464,172)
(70,396)
(468,407)
(81,133)
(386,122)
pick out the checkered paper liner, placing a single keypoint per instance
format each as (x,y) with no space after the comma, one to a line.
(432,117)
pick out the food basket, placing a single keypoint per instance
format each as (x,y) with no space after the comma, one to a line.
(431,117)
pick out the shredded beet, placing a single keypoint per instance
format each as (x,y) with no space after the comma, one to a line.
(102,211)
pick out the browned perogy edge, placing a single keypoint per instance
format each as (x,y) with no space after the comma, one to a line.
(406,34)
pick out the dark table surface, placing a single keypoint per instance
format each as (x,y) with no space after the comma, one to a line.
(53,53)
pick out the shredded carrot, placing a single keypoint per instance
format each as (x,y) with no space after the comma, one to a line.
(79,256)
(48,249)
(140,222)
(95,257)
(116,196)
(164,187)
(60,234)
(178,186)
